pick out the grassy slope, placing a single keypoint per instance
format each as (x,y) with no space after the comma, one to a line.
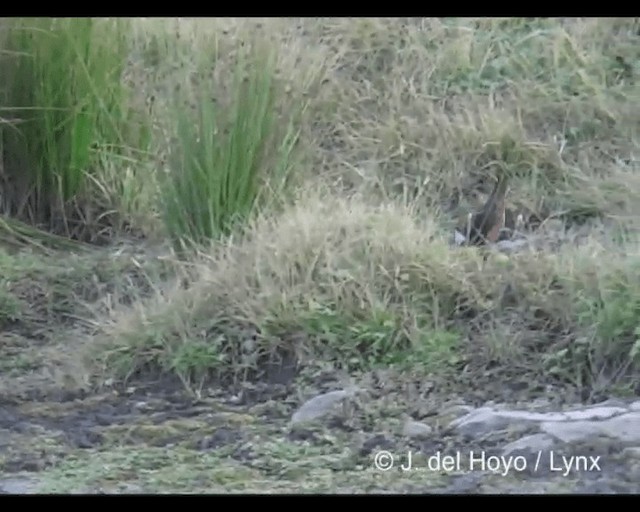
(405,120)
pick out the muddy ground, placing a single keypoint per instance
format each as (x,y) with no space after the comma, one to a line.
(157,438)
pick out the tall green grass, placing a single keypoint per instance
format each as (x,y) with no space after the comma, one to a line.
(226,155)
(61,84)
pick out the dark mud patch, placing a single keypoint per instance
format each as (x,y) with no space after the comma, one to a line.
(150,438)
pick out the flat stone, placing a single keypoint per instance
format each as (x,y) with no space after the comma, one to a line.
(486,419)
(533,417)
(595,413)
(18,485)
(635,406)
(611,402)
(529,444)
(319,406)
(569,432)
(479,422)
(416,429)
(625,428)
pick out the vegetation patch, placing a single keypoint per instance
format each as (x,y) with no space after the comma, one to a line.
(210,199)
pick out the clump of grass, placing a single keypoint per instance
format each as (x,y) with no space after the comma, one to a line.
(358,285)
(61,83)
(227,153)
(605,310)
(330,278)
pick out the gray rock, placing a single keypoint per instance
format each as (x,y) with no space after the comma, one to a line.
(486,419)
(480,422)
(595,413)
(535,449)
(320,406)
(530,417)
(569,432)
(456,410)
(529,444)
(610,425)
(625,428)
(631,452)
(416,429)
(611,402)
(19,485)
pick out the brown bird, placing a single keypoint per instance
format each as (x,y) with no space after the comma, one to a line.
(485,225)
